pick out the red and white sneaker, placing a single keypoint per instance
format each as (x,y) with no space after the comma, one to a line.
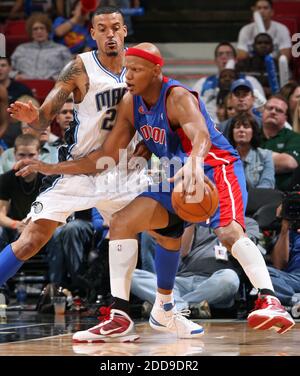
(115,326)
(270,314)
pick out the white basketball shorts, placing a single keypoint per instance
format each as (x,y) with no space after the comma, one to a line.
(61,195)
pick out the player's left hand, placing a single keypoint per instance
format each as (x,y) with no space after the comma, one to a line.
(26,167)
(140,151)
(192,177)
(25,112)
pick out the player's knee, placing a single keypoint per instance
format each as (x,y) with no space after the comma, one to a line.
(227,239)
(24,249)
(228,235)
(120,225)
(169,243)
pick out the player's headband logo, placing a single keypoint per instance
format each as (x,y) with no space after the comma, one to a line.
(145,55)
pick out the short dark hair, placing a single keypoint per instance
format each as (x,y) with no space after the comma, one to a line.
(268,1)
(69,99)
(225,44)
(268,36)
(6,58)
(107,10)
(242,118)
(26,140)
(280,97)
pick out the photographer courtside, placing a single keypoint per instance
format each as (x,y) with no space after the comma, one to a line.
(285,255)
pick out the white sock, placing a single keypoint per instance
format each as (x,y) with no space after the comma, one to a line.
(253,263)
(162,299)
(123,255)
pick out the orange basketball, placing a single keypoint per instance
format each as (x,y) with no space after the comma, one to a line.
(198,211)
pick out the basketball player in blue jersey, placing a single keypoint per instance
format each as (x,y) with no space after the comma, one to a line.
(97,81)
(173,123)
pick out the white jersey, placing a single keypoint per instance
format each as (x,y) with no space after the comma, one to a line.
(94,117)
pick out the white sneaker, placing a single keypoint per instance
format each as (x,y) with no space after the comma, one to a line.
(167,319)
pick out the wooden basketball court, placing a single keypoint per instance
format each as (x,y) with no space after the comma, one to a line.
(28,333)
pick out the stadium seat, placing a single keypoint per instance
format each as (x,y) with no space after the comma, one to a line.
(259,197)
(289,9)
(290,21)
(40,88)
(15,27)
(286,7)
(296,68)
(262,205)
(15,33)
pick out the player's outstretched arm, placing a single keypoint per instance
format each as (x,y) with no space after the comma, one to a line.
(71,77)
(96,161)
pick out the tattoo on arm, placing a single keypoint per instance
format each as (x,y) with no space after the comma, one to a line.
(61,92)
(87,83)
(70,72)
(58,101)
(44,121)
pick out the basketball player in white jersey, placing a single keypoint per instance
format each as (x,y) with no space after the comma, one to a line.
(96,80)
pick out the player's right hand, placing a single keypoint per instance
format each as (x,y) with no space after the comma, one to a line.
(25,112)
(26,167)
(191,175)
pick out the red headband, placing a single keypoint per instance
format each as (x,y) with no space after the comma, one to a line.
(145,55)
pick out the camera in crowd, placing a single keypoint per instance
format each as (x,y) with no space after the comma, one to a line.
(291,209)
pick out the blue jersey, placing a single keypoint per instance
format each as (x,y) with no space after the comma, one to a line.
(153,125)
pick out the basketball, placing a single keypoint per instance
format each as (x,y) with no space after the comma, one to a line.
(197,211)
